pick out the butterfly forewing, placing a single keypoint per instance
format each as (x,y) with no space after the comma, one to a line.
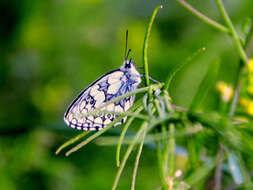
(106,88)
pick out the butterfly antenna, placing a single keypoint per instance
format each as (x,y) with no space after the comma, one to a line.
(127,51)
(126,44)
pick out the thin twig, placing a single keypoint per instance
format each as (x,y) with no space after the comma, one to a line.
(203,17)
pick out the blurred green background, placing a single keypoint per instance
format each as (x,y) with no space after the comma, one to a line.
(51,50)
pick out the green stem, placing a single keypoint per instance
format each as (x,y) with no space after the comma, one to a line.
(160,165)
(90,138)
(112,140)
(138,158)
(71,141)
(133,114)
(178,67)
(231,27)
(158,108)
(145,44)
(238,84)
(171,150)
(204,18)
(140,90)
(129,150)
(123,135)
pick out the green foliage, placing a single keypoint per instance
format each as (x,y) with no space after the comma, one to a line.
(205,85)
(195,145)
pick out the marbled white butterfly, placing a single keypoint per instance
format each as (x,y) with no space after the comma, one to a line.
(104,89)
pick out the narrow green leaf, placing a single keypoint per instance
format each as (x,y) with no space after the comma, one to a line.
(246,25)
(95,135)
(123,135)
(71,141)
(137,160)
(205,85)
(179,66)
(200,173)
(145,44)
(171,148)
(127,154)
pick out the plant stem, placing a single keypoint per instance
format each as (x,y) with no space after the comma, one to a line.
(238,84)
(128,152)
(71,141)
(138,158)
(145,44)
(231,27)
(123,135)
(218,171)
(90,138)
(139,90)
(171,150)
(179,66)
(203,17)
(160,165)
(128,113)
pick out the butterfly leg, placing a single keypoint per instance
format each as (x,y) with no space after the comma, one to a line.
(156,81)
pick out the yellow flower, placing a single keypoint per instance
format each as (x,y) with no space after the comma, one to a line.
(248,105)
(250,108)
(250,89)
(250,65)
(225,90)
(244,102)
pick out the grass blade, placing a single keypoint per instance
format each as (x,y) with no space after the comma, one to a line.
(200,173)
(205,85)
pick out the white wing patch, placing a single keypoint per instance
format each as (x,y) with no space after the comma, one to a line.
(106,88)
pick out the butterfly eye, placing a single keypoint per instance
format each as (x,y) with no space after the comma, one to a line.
(128,65)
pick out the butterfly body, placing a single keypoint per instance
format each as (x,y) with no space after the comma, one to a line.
(104,89)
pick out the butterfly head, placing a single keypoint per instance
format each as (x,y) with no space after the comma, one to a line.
(129,67)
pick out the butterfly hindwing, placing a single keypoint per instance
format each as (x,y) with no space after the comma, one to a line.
(106,88)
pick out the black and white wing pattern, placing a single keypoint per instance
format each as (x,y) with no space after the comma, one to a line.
(104,89)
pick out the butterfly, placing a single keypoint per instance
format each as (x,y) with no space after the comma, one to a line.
(106,88)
